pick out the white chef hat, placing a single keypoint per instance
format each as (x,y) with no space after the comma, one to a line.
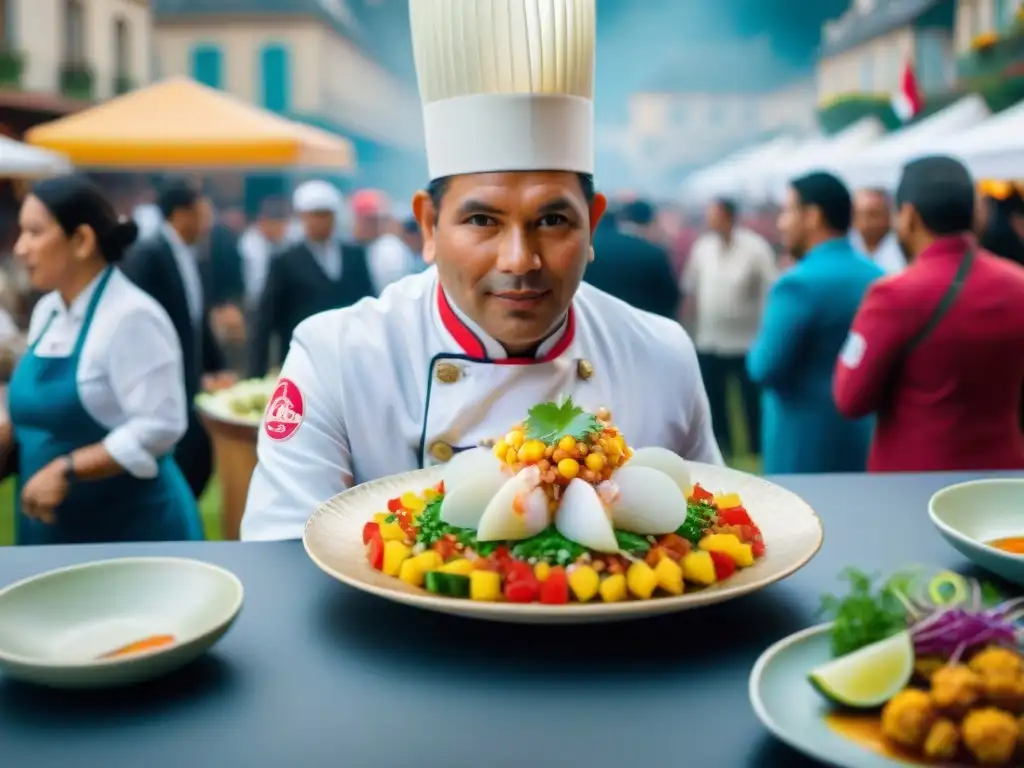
(506,85)
(316,196)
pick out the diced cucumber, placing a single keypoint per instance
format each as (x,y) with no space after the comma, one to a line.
(447,584)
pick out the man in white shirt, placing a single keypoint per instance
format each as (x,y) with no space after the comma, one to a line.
(725,284)
(872,232)
(387,255)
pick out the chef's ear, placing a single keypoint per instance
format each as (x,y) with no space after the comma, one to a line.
(598,207)
(426,216)
(83,242)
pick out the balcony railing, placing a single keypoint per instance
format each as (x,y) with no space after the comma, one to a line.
(76,81)
(12,63)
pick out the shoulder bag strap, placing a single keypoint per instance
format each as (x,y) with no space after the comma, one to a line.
(945,304)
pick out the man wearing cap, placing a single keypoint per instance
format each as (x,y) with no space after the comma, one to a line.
(314,275)
(373,225)
(448,359)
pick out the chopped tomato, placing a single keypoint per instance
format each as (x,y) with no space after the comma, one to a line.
(676,543)
(407,525)
(734,516)
(395,506)
(725,566)
(445,547)
(522,590)
(369,530)
(615,566)
(375,551)
(440,487)
(757,548)
(654,555)
(554,590)
(517,570)
(700,494)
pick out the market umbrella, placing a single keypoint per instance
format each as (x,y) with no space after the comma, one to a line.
(179,123)
(20,161)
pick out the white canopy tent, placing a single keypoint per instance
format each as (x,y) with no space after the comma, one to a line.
(823,155)
(19,160)
(992,150)
(725,178)
(881,163)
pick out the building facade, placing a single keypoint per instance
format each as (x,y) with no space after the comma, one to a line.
(865,50)
(304,63)
(975,18)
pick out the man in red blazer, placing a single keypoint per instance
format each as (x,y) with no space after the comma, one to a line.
(937,351)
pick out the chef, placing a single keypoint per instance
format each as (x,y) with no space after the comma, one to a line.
(448,359)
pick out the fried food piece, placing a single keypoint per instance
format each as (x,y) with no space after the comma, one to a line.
(990,735)
(955,689)
(926,666)
(907,718)
(1002,671)
(943,741)
(997,660)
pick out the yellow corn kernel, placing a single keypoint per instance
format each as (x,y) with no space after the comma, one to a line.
(699,568)
(613,588)
(484,586)
(501,449)
(728,501)
(460,567)
(595,462)
(542,570)
(411,573)
(532,451)
(584,582)
(514,439)
(669,575)
(567,443)
(512,456)
(428,561)
(726,543)
(640,580)
(413,502)
(568,468)
(395,553)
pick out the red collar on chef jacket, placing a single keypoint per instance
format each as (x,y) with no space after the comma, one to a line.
(473,347)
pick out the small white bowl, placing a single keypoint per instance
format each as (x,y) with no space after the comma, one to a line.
(55,628)
(969,515)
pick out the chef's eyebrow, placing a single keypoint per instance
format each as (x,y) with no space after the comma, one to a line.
(558,205)
(473,207)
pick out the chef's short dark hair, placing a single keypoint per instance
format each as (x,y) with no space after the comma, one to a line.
(727,205)
(176,195)
(75,201)
(941,190)
(438,187)
(638,212)
(829,195)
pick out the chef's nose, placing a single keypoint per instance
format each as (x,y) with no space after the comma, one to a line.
(517,254)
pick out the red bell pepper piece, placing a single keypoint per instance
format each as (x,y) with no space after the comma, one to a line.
(439,487)
(734,516)
(369,530)
(517,570)
(522,590)
(375,551)
(757,548)
(700,494)
(395,506)
(554,590)
(724,565)
(445,547)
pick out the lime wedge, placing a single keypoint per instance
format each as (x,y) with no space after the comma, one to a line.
(869,677)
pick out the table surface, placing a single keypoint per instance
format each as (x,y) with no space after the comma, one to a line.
(317,674)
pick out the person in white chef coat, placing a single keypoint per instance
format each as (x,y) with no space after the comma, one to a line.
(97,402)
(449,359)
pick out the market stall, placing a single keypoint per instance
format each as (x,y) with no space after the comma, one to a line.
(21,161)
(180,124)
(726,177)
(993,149)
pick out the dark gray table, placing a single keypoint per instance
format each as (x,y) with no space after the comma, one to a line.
(316,674)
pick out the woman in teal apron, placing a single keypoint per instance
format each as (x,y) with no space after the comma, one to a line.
(70,490)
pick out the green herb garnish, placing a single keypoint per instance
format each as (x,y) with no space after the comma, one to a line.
(632,543)
(549,422)
(550,546)
(865,615)
(431,529)
(391,518)
(700,515)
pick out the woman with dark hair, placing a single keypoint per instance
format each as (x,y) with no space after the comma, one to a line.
(1000,235)
(97,402)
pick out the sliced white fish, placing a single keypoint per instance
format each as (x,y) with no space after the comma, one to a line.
(464,506)
(468,466)
(663,460)
(644,501)
(583,518)
(517,511)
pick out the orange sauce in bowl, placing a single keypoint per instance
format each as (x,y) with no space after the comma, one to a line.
(1012,544)
(150,643)
(866,732)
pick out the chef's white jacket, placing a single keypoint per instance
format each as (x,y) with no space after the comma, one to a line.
(404,381)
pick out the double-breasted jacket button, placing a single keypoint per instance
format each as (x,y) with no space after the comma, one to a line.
(442,451)
(487,442)
(584,369)
(447,373)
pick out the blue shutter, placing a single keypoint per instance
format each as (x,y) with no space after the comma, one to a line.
(208,65)
(276,77)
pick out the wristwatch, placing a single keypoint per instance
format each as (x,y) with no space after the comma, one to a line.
(69,469)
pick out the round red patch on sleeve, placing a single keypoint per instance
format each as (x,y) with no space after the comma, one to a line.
(285,411)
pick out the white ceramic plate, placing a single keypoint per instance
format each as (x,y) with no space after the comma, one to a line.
(55,627)
(792,535)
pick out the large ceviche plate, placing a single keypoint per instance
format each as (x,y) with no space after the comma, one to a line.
(562,521)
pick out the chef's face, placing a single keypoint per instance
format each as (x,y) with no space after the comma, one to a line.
(50,256)
(511,249)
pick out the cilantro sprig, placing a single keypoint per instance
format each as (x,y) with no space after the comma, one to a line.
(549,422)
(866,614)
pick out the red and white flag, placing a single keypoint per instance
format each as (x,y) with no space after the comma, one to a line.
(908,101)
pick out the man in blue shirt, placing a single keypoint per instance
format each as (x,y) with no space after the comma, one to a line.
(807,317)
